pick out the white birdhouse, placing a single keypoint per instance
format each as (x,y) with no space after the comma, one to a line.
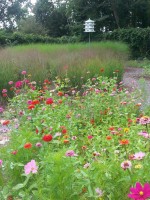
(89,26)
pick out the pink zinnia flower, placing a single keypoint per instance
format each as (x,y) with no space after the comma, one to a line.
(4,91)
(14,152)
(144,120)
(1,162)
(30,167)
(126,164)
(90,137)
(139,156)
(70,153)
(139,192)
(1,110)
(99,192)
(38,144)
(57,134)
(87,165)
(74,137)
(144,134)
(23,72)
(18,84)
(29,102)
(10,82)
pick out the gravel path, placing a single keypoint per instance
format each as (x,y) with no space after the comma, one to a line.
(136,78)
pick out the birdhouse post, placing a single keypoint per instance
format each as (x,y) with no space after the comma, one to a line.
(89,27)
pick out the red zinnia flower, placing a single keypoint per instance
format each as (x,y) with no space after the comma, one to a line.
(14,152)
(5,95)
(92,121)
(27,145)
(64,131)
(35,102)
(47,137)
(46,81)
(30,107)
(6,122)
(108,137)
(102,70)
(60,93)
(49,101)
(124,142)
(111,128)
(66,141)
(60,101)
(37,131)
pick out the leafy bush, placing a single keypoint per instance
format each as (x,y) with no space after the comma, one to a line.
(18,38)
(137,38)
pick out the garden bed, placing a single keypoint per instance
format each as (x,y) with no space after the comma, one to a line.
(75,146)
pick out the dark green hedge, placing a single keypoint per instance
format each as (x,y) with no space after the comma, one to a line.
(20,38)
(137,38)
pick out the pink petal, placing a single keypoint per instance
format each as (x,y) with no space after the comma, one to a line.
(139,186)
(146,187)
(132,196)
(134,190)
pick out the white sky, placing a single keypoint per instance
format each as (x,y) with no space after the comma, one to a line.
(33,1)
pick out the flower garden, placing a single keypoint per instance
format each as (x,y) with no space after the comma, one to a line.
(70,144)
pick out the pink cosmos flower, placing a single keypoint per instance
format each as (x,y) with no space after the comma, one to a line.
(23,72)
(126,164)
(139,156)
(30,167)
(70,153)
(1,162)
(139,192)
(18,84)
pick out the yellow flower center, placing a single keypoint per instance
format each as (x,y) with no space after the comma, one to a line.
(141,193)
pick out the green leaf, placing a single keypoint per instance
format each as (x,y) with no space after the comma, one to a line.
(21,185)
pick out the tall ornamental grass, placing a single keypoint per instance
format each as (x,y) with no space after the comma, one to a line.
(76,61)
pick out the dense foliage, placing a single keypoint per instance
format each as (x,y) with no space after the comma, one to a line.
(72,145)
(16,38)
(137,38)
(67,17)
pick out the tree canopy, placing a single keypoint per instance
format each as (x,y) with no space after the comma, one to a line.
(66,17)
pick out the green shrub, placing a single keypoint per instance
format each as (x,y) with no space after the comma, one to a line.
(137,38)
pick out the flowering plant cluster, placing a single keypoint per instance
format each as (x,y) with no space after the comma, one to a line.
(70,144)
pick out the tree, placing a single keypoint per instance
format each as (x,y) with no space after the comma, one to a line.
(31,26)
(52,17)
(12,11)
